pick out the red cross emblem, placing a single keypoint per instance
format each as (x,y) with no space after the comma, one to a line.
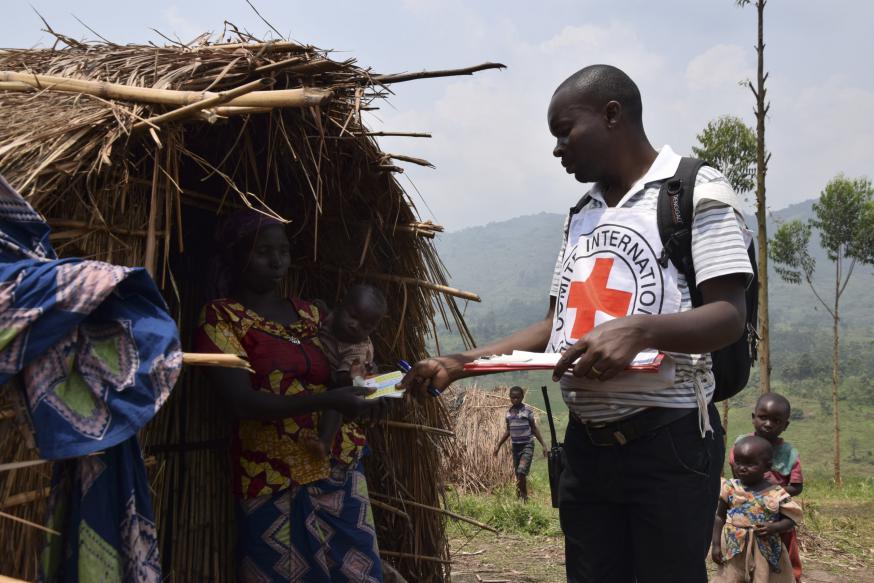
(592,295)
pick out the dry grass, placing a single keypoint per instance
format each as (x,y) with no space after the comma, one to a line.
(478,420)
(152,197)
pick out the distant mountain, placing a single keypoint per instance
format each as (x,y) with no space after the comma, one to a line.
(510,264)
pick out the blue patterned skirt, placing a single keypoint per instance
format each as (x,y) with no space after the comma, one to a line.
(101,507)
(318,533)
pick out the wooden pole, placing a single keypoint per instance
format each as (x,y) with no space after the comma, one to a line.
(15,81)
(412,281)
(149,260)
(264,46)
(25,497)
(193,108)
(236,110)
(74,224)
(417,427)
(414,557)
(762,108)
(435,509)
(28,523)
(389,508)
(210,359)
(270,67)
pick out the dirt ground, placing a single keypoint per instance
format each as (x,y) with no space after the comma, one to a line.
(488,558)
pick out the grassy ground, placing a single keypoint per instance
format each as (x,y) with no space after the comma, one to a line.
(837,539)
(812,433)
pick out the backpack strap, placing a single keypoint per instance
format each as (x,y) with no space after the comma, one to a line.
(574,210)
(674,214)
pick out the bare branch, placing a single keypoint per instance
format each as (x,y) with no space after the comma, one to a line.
(753,89)
(63,38)
(400,134)
(813,289)
(431,74)
(411,159)
(273,28)
(847,278)
(100,36)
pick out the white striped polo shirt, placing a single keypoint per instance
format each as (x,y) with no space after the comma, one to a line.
(719,248)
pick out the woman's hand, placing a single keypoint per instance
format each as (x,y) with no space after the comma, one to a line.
(350,402)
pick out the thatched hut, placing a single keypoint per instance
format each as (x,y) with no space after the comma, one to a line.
(132,153)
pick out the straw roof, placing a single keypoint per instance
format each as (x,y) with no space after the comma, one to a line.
(131,152)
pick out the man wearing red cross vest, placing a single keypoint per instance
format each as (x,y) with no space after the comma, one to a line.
(642,465)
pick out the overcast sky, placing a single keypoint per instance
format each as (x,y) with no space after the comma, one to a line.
(491,145)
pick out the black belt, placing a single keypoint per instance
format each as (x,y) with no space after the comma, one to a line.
(627,430)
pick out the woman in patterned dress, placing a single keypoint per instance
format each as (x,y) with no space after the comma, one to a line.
(300,516)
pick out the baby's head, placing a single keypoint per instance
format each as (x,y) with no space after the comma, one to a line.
(752,459)
(357,317)
(771,416)
(517,394)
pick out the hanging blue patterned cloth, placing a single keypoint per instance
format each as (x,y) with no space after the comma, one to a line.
(97,354)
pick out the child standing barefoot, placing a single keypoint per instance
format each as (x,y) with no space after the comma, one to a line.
(770,420)
(751,515)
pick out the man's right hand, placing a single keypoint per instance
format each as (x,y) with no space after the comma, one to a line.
(438,372)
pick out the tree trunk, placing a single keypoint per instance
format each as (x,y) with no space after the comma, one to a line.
(836,374)
(762,210)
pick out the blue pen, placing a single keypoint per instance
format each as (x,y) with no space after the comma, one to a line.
(405,367)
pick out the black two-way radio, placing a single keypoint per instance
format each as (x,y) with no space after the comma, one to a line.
(554,461)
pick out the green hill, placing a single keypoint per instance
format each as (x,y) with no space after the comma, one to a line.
(510,263)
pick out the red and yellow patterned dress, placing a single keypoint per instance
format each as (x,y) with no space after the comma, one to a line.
(269,456)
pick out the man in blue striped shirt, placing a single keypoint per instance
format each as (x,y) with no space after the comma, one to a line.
(641,476)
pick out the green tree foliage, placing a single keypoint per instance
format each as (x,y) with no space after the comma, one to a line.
(730,145)
(844,218)
(790,252)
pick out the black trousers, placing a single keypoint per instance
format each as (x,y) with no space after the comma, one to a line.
(642,512)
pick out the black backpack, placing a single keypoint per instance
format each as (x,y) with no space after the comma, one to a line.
(731,365)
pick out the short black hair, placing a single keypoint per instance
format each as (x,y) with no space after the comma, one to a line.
(518,389)
(777,399)
(759,443)
(604,83)
(362,292)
